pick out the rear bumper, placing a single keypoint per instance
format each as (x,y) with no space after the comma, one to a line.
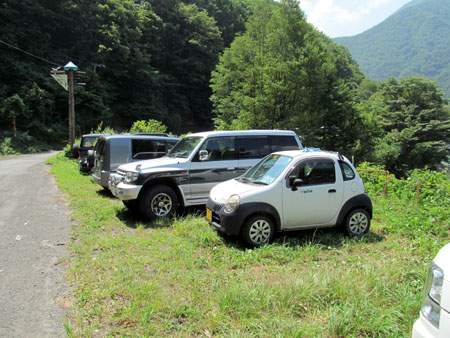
(102,179)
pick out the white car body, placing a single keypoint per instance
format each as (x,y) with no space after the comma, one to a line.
(439,326)
(324,203)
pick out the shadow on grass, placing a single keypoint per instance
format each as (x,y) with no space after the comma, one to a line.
(105,193)
(328,238)
(132,218)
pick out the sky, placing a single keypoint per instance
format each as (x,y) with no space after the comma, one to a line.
(338,18)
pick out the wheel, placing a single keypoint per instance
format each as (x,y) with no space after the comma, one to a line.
(158,201)
(357,222)
(131,204)
(258,230)
(90,158)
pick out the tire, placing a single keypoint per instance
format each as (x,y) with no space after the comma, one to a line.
(357,222)
(75,149)
(131,204)
(90,159)
(257,231)
(158,202)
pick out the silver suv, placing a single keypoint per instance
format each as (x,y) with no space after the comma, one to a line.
(193,166)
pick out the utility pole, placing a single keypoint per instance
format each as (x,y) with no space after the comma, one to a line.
(71,68)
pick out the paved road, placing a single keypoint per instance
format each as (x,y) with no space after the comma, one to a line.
(34,228)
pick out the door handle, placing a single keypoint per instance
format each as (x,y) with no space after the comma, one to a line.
(332,191)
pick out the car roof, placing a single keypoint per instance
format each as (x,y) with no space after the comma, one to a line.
(307,152)
(94,135)
(242,133)
(141,137)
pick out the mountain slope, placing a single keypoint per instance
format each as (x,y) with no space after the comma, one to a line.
(414,40)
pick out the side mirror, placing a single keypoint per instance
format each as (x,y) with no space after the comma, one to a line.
(297,183)
(203,155)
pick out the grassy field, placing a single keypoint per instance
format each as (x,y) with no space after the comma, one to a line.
(182,279)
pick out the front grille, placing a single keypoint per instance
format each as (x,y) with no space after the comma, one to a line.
(216,208)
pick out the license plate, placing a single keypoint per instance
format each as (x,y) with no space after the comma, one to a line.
(209,214)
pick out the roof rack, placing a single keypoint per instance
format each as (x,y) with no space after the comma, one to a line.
(151,134)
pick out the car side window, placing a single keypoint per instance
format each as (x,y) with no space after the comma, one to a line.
(315,172)
(347,172)
(253,147)
(219,149)
(281,143)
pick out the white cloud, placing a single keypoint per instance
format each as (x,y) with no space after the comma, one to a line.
(324,11)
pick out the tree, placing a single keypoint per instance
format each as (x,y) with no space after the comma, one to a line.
(415,125)
(283,74)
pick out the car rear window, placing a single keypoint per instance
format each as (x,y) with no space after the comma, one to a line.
(88,142)
(146,149)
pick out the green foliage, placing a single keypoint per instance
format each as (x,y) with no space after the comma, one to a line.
(101,129)
(143,60)
(281,73)
(150,126)
(413,128)
(402,212)
(413,41)
(24,143)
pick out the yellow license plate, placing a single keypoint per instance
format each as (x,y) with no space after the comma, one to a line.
(209,214)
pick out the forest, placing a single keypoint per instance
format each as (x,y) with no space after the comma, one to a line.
(419,45)
(207,64)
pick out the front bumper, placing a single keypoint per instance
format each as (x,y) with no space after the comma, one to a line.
(229,223)
(123,191)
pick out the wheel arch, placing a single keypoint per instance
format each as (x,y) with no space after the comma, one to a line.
(357,202)
(170,182)
(264,209)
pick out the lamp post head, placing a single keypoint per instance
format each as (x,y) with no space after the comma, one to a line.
(70,66)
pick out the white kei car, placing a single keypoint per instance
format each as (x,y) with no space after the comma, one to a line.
(434,320)
(291,190)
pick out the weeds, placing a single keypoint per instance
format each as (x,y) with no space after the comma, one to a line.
(183,279)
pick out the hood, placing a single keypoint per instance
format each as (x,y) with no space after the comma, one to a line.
(222,191)
(154,164)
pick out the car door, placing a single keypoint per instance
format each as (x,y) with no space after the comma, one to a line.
(318,199)
(220,165)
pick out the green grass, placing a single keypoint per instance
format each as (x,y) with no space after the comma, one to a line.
(181,278)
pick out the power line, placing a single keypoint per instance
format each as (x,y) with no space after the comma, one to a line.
(23,51)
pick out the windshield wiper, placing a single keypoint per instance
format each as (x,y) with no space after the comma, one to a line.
(259,182)
(242,179)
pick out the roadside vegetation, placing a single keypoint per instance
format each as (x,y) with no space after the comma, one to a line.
(181,278)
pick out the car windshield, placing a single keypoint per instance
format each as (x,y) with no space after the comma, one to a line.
(267,170)
(185,147)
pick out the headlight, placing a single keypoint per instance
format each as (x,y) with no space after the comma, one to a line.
(131,176)
(433,290)
(232,203)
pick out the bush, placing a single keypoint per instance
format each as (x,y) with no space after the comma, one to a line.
(150,126)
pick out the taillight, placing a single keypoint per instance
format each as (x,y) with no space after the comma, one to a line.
(79,154)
